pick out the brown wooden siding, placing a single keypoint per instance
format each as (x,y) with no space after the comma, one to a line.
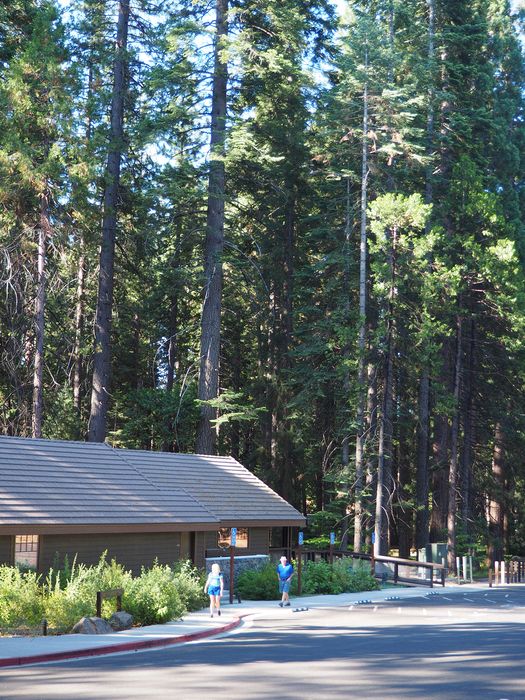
(131,550)
(259,540)
(200,547)
(6,550)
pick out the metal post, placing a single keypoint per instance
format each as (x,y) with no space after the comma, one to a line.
(465,573)
(372,566)
(299,568)
(496,572)
(44,627)
(231,573)
(503,573)
(471,577)
(458,569)
(490,577)
(99,603)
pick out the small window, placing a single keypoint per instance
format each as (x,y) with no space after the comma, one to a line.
(225,535)
(26,550)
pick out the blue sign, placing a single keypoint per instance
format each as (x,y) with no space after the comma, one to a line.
(332,538)
(373,538)
(300,539)
(233,537)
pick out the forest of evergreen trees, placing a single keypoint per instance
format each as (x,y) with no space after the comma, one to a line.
(289,231)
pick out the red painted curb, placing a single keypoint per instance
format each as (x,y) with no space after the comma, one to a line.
(117,648)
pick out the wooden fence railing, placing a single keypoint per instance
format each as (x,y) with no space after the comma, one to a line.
(385,568)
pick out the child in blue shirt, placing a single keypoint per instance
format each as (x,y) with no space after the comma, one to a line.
(214,587)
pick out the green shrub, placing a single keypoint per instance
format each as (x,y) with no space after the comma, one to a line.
(71,593)
(259,584)
(362,580)
(153,597)
(189,583)
(317,578)
(321,542)
(21,602)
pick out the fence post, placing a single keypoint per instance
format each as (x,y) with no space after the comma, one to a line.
(232,568)
(299,565)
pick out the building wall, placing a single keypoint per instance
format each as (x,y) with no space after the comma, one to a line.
(132,550)
(6,549)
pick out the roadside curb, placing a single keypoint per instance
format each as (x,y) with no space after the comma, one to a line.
(118,648)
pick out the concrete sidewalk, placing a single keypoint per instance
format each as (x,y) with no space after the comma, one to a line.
(16,651)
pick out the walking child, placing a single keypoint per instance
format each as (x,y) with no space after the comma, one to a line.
(214,587)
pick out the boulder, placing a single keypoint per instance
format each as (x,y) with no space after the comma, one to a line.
(92,625)
(121,621)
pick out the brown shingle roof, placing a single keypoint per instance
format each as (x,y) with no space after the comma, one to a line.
(53,482)
(221,484)
(59,483)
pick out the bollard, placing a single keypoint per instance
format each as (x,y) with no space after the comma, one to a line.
(490,578)
(44,627)
(503,574)
(496,572)
(465,574)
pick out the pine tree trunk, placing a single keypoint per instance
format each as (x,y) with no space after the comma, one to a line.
(211,309)
(78,364)
(100,394)
(44,230)
(495,504)
(468,414)
(345,446)
(453,472)
(422,514)
(384,463)
(361,386)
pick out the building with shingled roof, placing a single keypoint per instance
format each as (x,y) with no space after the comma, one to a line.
(78,499)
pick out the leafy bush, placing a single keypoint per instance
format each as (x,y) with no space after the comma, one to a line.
(259,584)
(189,583)
(317,578)
(153,597)
(21,602)
(70,594)
(321,542)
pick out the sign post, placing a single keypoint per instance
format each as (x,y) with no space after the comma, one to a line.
(300,541)
(332,542)
(233,542)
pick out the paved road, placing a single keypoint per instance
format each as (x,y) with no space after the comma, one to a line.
(435,646)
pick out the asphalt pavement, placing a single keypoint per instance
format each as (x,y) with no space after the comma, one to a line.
(448,644)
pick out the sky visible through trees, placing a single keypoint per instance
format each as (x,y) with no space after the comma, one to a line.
(292,232)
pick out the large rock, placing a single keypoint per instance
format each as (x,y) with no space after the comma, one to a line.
(92,625)
(121,621)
